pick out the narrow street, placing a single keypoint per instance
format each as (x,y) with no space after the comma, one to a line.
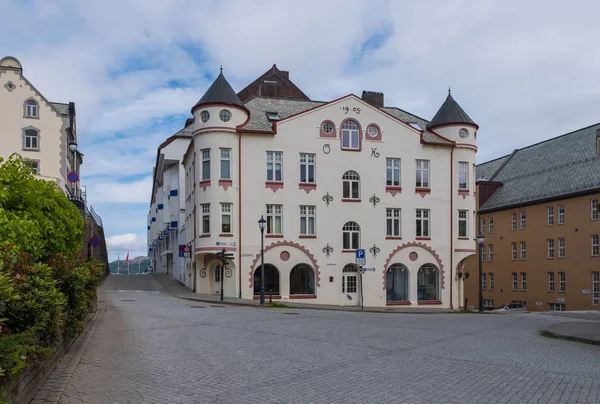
(145,346)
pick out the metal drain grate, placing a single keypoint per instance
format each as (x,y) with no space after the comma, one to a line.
(128,300)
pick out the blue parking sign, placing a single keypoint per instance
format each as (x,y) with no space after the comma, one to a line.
(360,253)
(360,258)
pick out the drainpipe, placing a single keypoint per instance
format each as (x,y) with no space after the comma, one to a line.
(240,213)
(451,222)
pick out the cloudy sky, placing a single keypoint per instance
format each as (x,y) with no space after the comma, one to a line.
(525,71)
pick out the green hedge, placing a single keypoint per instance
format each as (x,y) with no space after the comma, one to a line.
(46,291)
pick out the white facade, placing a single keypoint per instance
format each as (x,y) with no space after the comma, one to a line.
(223,206)
(166,229)
(39,130)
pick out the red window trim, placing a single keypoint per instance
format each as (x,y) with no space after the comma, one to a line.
(307,186)
(226,235)
(303,296)
(307,236)
(360,133)
(273,235)
(428,302)
(393,190)
(331,135)
(398,303)
(350,200)
(373,139)
(348,251)
(393,238)
(422,238)
(464,238)
(204,235)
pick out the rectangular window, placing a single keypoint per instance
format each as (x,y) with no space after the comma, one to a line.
(562,282)
(491,224)
(274,166)
(206,164)
(515,282)
(513,225)
(489,303)
(594,245)
(492,281)
(561,214)
(482,249)
(523,281)
(481,225)
(393,228)
(463,175)
(226,212)
(594,209)
(422,222)
(523,247)
(307,220)
(392,172)
(350,136)
(550,215)
(556,306)
(596,287)
(550,248)
(483,280)
(274,219)
(462,223)
(561,247)
(491,253)
(34,165)
(307,168)
(513,247)
(225,164)
(205,218)
(31,140)
(523,220)
(422,174)
(550,281)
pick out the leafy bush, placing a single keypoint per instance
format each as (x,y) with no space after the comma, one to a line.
(35,216)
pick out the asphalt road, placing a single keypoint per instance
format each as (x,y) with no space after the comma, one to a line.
(145,346)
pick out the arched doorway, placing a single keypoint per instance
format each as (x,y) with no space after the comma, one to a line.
(218,279)
(396,283)
(302,280)
(271,280)
(350,285)
(428,283)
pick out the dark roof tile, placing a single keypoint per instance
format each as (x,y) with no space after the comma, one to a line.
(450,112)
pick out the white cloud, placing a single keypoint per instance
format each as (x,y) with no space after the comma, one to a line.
(120,192)
(126,242)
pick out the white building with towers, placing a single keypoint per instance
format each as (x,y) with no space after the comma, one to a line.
(329,178)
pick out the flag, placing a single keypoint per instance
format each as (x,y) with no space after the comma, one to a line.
(127,258)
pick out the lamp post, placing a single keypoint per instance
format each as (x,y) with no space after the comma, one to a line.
(262,223)
(73,150)
(480,241)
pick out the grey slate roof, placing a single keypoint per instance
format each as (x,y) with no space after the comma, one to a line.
(486,170)
(61,108)
(258,106)
(220,92)
(552,169)
(450,112)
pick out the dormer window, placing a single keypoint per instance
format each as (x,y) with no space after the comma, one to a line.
(273,116)
(31,109)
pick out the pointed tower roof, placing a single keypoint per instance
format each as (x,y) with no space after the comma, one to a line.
(220,92)
(450,113)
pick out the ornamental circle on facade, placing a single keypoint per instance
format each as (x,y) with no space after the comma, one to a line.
(463,133)
(373,131)
(205,116)
(284,256)
(413,256)
(327,127)
(225,115)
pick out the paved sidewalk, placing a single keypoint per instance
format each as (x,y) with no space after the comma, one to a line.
(177,289)
(587,332)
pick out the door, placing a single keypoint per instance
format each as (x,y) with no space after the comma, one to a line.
(350,285)
(218,279)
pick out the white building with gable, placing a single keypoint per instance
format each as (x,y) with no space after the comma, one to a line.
(329,179)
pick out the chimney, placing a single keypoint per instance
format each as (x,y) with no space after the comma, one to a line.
(598,142)
(285,75)
(373,98)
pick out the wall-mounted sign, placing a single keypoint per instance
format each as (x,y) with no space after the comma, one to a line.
(95,241)
(560,299)
(73,177)
(586,292)
(538,303)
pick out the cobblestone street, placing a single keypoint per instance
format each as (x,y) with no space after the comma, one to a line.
(145,346)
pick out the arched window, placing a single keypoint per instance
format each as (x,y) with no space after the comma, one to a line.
(31,109)
(396,283)
(271,280)
(351,235)
(350,135)
(302,280)
(351,185)
(31,139)
(428,283)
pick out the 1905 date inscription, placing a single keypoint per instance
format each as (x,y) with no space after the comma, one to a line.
(356,110)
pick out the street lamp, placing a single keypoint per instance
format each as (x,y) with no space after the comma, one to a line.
(73,150)
(480,241)
(262,223)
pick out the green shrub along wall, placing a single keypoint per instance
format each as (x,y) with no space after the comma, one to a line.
(47,288)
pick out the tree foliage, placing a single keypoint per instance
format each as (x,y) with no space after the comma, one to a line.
(35,215)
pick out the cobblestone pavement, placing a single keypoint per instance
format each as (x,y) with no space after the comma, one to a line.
(145,346)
